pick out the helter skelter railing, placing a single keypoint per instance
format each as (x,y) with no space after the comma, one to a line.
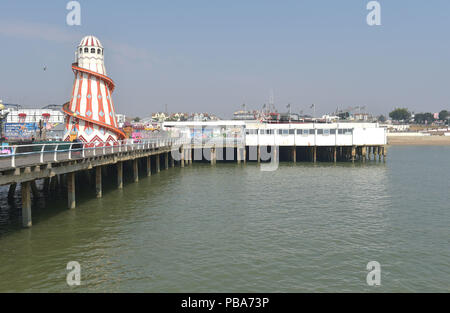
(44,153)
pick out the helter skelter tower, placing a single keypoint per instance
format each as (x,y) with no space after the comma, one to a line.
(90,114)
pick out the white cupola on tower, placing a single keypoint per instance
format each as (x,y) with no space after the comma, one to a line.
(90,55)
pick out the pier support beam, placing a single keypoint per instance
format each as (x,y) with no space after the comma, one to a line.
(384,153)
(213,155)
(182,157)
(98,181)
(26,204)
(238,154)
(294,154)
(12,191)
(364,153)
(172,161)
(353,153)
(190,155)
(335,154)
(166,160)
(148,167)
(258,154)
(158,163)
(71,190)
(120,175)
(314,154)
(244,151)
(135,171)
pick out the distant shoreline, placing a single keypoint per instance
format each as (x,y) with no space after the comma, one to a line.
(419,141)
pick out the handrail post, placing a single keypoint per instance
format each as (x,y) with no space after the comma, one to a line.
(13,158)
(41,159)
(70,151)
(55,156)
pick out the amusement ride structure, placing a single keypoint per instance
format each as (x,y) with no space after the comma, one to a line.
(90,115)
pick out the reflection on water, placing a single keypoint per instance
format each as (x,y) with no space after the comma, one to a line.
(233,228)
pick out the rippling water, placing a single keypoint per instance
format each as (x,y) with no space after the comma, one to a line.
(230,228)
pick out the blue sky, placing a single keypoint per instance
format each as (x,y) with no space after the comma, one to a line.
(214,55)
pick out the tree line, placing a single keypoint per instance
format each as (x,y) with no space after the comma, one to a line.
(402,114)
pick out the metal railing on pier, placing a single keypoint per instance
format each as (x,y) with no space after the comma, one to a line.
(43,153)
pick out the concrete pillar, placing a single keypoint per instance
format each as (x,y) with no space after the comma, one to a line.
(158,163)
(182,157)
(315,154)
(71,190)
(148,167)
(190,155)
(98,181)
(384,153)
(275,153)
(172,161)
(12,191)
(166,160)
(245,154)
(353,153)
(120,175)
(238,154)
(135,170)
(26,204)
(259,154)
(294,154)
(335,154)
(213,155)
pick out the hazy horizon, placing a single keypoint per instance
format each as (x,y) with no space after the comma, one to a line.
(213,56)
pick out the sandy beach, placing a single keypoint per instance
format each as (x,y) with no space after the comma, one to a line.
(419,141)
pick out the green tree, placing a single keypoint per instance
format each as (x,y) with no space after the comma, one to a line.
(381,118)
(422,118)
(400,114)
(136,119)
(443,115)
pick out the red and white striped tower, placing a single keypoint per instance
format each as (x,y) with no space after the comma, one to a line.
(90,113)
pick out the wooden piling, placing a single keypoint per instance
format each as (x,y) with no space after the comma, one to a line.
(26,204)
(148,166)
(135,170)
(71,190)
(98,181)
(166,160)
(120,175)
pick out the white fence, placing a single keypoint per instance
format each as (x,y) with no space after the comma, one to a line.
(35,154)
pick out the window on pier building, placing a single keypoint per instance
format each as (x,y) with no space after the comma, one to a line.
(86,49)
(99,51)
(320,132)
(92,50)
(348,131)
(81,50)
(326,132)
(333,131)
(340,131)
(291,131)
(312,131)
